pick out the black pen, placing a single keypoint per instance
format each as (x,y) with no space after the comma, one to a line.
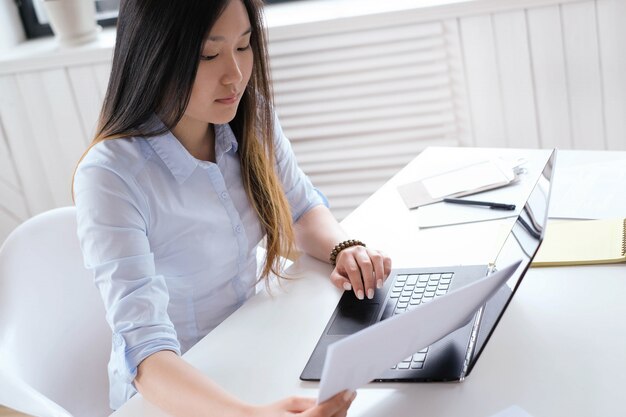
(490,204)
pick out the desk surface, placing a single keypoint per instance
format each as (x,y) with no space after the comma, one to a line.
(559,349)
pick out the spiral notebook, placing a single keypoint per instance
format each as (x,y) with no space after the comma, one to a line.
(583,242)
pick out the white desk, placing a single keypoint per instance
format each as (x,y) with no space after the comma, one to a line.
(560,349)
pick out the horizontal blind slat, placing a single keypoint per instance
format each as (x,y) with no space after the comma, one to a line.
(376,125)
(368,163)
(410,67)
(398,96)
(372,35)
(363,158)
(375,138)
(373,62)
(393,108)
(362,85)
(405,45)
(349,177)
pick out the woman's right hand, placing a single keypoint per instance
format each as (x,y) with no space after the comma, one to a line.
(336,406)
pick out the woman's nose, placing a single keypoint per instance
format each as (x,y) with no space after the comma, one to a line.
(232,71)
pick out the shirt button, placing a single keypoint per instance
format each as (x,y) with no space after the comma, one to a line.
(224,195)
(238,228)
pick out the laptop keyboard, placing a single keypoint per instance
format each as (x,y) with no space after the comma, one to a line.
(410,291)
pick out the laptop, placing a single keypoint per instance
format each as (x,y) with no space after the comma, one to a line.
(453,357)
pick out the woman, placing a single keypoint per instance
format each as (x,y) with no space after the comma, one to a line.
(188,172)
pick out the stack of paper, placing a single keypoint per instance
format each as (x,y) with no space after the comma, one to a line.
(462,181)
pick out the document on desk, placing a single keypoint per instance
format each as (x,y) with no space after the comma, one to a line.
(589,190)
(445,214)
(462,181)
(361,357)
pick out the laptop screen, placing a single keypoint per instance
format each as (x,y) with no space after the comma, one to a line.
(522,243)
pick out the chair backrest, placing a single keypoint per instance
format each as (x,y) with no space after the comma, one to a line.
(54,339)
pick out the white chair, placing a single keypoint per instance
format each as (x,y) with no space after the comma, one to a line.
(54,340)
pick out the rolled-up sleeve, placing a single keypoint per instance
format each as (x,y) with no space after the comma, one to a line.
(113,220)
(301,194)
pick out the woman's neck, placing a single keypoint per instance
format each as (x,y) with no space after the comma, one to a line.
(197,137)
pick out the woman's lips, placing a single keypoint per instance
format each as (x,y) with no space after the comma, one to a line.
(228,100)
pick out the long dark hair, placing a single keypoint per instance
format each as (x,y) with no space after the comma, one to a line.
(156,56)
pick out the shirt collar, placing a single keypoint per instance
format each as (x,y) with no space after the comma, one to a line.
(179,161)
(174,155)
(225,140)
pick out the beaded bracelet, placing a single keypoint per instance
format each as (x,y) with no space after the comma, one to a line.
(341,246)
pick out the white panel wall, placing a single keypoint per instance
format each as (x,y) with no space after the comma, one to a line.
(13,208)
(611,17)
(548,76)
(84,80)
(23,148)
(359,96)
(518,101)
(483,81)
(582,60)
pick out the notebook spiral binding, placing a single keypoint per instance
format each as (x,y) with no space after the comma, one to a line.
(624,239)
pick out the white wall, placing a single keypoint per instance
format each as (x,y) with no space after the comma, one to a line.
(359,96)
(548,76)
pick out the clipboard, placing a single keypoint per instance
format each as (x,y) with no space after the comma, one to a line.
(459,182)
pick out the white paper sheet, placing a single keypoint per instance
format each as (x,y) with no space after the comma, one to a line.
(446,214)
(471,177)
(467,178)
(361,357)
(587,191)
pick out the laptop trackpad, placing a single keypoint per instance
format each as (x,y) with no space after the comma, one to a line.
(352,318)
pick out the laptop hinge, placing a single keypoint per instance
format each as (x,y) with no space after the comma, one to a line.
(469,353)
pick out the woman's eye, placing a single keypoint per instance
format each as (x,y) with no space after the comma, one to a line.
(212,57)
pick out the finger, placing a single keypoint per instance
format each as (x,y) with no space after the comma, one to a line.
(336,405)
(354,275)
(386,264)
(343,412)
(297,404)
(367,271)
(379,267)
(340,281)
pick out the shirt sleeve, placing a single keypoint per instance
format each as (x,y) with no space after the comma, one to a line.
(301,194)
(113,220)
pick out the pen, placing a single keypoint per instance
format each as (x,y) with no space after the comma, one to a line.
(490,204)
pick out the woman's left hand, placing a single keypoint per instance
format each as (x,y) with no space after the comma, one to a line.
(361,269)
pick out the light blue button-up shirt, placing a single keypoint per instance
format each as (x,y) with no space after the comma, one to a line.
(171,240)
